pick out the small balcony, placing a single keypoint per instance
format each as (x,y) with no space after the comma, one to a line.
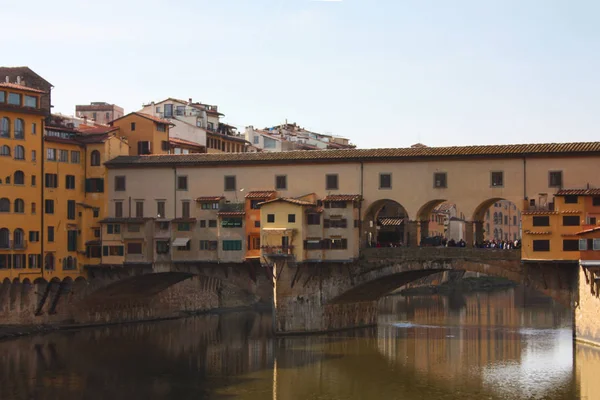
(277,251)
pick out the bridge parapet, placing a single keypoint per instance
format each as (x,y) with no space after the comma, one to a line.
(440,253)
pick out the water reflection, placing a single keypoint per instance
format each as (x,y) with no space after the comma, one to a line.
(505,345)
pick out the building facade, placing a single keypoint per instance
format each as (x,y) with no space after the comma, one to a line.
(503,221)
(99,112)
(288,137)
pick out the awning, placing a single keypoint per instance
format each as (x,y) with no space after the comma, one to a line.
(278,230)
(180,242)
(391,221)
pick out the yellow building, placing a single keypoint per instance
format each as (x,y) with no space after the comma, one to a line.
(145,133)
(21,162)
(550,230)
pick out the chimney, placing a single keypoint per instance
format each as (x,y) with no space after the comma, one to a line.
(18,80)
(190,100)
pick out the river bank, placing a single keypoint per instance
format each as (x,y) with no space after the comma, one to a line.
(464,285)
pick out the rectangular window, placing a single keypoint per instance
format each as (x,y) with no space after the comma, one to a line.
(113,229)
(541,245)
(232,245)
(71,240)
(185,209)
(187,247)
(112,251)
(331,182)
(70,181)
(257,224)
(339,244)
(571,220)
(119,183)
(184,227)
(139,209)
(497,179)
(33,155)
(96,212)
(160,209)
(202,223)
(555,179)
(71,209)
(571,199)
(209,245)
(49,206)
(118,209)
(33,128)
(134,248)
(230,183)
(63,156)
(582,244)
(212,223)
(51,154)
(33,180)
(281,182)
(133,126)
(336,204)
(94,185)
(596,201)
(596,244)
(51,181)
(570,245)
(270,218)
(440,180)
(182,183)
(313,219)
(231,223)
(385,181)
(2,96)
(31,101)
(50,235)
(34,260)
(75,157)
(335,223)
(143,148)
(291,218)
(312,244)
(254,204)
(14,99)
(34,236)
(96,232)
(162,247)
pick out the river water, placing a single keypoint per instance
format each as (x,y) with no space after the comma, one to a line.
(506,345)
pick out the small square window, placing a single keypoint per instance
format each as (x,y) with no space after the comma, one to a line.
(291,218)
(182,183)
(571,199)
(440,180)
(212,223)
(497,179)
(596,201)
(331,182)
(555,179)
(257,224)
(119,183)
(281,182)
(133,126)
(385,181)
(202,223)
(230,183)
(270,218)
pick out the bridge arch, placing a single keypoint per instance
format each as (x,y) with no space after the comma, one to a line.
(385,223)
(497,218)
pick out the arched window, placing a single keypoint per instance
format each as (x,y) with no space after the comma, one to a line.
(64,264)
(19,206)
(5,151)
(18,238)
(19,129)
(500,218)
(49,261)
(19,178)
(4,205)
(495,233)
(7,180)
(495,218)
(95,158)
(4,238)
(19,153)
(5,128)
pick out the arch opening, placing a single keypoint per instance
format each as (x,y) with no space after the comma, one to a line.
(442,223)
(385,225)
(497,221)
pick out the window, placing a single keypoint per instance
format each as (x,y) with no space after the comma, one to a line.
(281,182)
(31,101)
(113,229)
(592,220)
(231,223)
(118,209)
(51,181)
(209,206)
(336,204)
(19,206)
(187,247)
(133,126)
(63,156)
(570,245)
(162,247)
(541,245)
(256,139)
(207,245)
(184,227)
(51,154)
(95,158)
(19,129)
(313,244)
(143,148)
(596,244)
(19,178)
(50,235)
(71,209)
(4,205)
(313,219)
(555,179)
(112,251)
(2,96)
(19,261)
(119,183)
(94,251)
(185,209)
(5,128)
(331,182)
(335,223)
(94,185)
(14,99)
(506,220)
(75,157)
(33,155)
(49,206)
(70,181)
(254,204)
(257,224)
(19,153)
(497,178)
(202,223)
(596,201)
(96,232)
(164,145)
(71,240)
(270,218)
(571,199)
(139,209)
(232,245)
(514,220)
(570,220)
(212,223)
(291,218)
(338,244)
(33,208)
(182,183)
(161,127)
(5,151)
(230,183)
(96,212)
(385,181)
(160,209)
(134,248)
(34,260)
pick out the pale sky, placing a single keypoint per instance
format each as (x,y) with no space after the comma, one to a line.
(385,73)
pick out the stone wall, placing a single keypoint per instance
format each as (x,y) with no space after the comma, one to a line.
(587,311)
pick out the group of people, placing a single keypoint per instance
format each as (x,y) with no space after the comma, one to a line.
(499,244)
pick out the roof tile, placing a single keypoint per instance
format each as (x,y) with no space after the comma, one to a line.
(289,200)
(19,87)
(578,192)
(343,197)
(209,198)
(261,194)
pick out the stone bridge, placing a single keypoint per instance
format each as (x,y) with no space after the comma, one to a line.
(326,297)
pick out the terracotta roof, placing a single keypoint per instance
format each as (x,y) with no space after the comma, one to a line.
(590,230)
(570,212)
(343,197)
(55,139)
(578,192)
(209,198)
(96,129)
(60,129)
(539,212)
(20,87)
(184,142)
(390,221)
(349,155)
(538,232)
(227,137)
(444,207)
(147,116)
(90,139)
(288,200)
(263,194)
(231,213)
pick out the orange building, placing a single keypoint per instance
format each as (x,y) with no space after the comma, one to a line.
(145,133)
(252,208)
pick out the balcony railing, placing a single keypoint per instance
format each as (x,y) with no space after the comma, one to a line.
(277,250)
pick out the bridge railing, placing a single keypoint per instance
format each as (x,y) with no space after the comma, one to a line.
(440,253)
